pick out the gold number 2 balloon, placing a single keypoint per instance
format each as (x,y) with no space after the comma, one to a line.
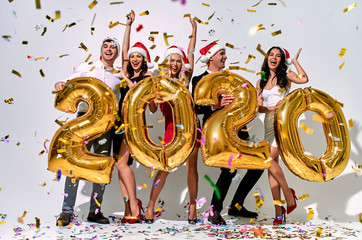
(336,157)
(142,148)
(223,147)
(67,149)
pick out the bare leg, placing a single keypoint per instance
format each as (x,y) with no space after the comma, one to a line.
(277,180)
(192,182)
(127,177)
(160,179)
(127,209)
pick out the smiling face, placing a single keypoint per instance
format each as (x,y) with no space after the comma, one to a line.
(218,60)
(274,59)
(109,51)
(175,64)
(136,60)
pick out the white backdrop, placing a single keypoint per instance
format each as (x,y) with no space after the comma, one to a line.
(319,27)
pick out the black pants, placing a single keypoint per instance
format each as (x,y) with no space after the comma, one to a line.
(224,182)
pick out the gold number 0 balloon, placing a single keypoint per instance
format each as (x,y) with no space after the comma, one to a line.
(142,148)
(336,157)
(67,149)
(220,130)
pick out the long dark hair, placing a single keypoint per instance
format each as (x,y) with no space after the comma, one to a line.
(144,68)
(281,73)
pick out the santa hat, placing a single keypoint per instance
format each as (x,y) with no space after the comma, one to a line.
(138,47)
(287,56)
(177,50)
(210,50)
(113,41)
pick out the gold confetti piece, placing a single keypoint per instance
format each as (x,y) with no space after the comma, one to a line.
(113,24)
(9,100)
(310,213)
(238,206)
(340,67)
(43,185)
(83,46)
(259,202)
(319,118)
(319,231)
(98,204)
(39,58)
(57,14)
(145,13)
(279,202)
(113,3)
(241,68)
(92,4)
(16,73)
(154,32)
(153,46)
(258,73)
(165,37)
(42,73)
(350,123)
(281,90)
(37,4)
(92,68)
(6,37)
(341,53)
(306,129)
(261,51)
(260,27)
(234,62)
(272,4)
(41,153)
(49,18)
(161,140)
(199,21)
(276,33)
(148,126)
(249,58)
(349,8)
(187,15)
(205,4)
(25,42)
(88,57)
(360,217)
(152,173)
(251,220)
(20,219)
(37,223)
(257,3)
(44,31)
(210,16)
(156,59)
(229,45)
(61,150)
(251,10)
(304,196)
(64,55)
(151,38)
(18,143)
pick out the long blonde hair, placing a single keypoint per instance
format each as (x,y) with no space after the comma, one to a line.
(181,77)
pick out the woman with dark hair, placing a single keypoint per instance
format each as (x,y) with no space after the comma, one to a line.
(273,87)
(134,70)
(179,67)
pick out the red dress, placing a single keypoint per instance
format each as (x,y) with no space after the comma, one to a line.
(167,113)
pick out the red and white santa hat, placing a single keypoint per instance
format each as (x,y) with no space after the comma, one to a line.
(178,50)
(113,41)
(138,47)
(210,50)
(287,56)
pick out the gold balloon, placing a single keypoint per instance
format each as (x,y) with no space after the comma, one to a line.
(336,157)
(221,129)
(142,148)
(68,151)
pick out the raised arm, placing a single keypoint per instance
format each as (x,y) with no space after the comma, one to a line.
(126,38)
(301,77)
(191,48)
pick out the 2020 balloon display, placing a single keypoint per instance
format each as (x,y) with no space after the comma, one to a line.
(142,148)
(68,150)
(222,143)
(307,167)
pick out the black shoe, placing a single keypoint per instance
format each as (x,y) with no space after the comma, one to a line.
(216,219)
(243,212)
(192,221)
(97,218)
(63,219)
(149,221)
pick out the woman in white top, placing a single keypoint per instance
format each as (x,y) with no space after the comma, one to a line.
(272,90)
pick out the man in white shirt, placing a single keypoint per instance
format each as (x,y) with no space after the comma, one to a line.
(103,70)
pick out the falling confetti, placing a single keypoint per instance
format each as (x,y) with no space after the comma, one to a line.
(342,52)
(306,129)
(92,4)
(349,8)
(217,192)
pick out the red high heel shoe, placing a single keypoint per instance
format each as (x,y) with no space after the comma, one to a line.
(290,209)
(279,220)
(136,219)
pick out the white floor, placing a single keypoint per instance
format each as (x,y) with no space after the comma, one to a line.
(237,228)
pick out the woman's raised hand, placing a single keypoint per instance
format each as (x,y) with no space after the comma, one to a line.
(295,59)
(130,17)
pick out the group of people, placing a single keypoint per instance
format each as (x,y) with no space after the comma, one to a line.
(179,66)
